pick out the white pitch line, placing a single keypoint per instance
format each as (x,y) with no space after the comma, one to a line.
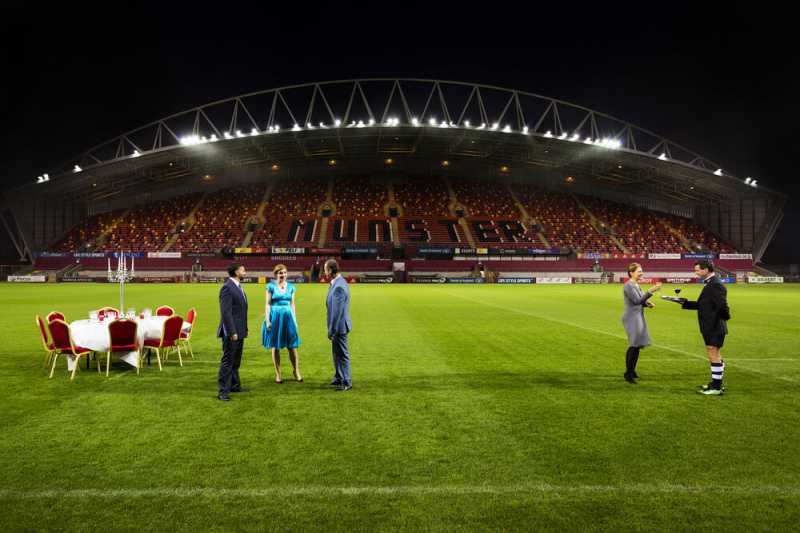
(615,335)
(788,490)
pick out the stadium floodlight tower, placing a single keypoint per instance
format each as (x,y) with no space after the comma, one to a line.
(394,126)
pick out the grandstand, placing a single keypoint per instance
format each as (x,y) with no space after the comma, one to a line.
(440,176)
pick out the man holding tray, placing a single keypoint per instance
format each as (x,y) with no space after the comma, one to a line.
(712,314)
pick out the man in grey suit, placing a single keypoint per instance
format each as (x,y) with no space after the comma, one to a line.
(339,325)
(232,330)
(712,314)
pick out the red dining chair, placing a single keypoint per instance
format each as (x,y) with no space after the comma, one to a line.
(104,312)
(48,345)
(122,338)
(55,315)
(62,342)
(165,310)
(186,337)
(170,336)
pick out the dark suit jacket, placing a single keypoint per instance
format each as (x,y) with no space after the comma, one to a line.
(232,311)
(712,307)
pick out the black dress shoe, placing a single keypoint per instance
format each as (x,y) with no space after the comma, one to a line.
(334,383)
(224,398)
(344,388)
(629,378)
(240,390)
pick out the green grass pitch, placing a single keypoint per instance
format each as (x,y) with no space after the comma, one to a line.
(474,408)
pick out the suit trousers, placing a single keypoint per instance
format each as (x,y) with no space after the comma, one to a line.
(229,366)
(341,359)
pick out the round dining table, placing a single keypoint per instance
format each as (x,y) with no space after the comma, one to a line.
(93,334)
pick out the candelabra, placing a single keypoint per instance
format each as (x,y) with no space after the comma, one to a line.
(121,276)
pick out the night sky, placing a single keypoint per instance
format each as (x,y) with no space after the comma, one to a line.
(722,82)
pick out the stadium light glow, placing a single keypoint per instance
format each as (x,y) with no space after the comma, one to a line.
(136,153)
(753,183)
(466,123)
(718,172)
(663,157)
(77,168)
(747,180)
(548,134)
(414,121)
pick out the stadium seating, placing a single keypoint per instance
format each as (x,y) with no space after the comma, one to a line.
(350,210)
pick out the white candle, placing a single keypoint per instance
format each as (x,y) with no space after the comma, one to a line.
(109,265)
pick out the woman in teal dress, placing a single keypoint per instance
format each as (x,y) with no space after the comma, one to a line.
(280,326)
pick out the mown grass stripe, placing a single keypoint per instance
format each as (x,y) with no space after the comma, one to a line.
(182,492)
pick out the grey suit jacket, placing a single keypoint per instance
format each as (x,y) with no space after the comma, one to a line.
(338,304)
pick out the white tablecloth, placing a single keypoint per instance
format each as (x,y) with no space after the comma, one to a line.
(94,335)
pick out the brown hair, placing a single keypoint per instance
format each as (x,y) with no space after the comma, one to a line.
(632,268)
(705,264)
(278,268)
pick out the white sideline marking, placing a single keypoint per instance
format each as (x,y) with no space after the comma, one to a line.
(572,324)
(790,490)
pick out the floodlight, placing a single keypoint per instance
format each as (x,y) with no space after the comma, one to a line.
(747,180)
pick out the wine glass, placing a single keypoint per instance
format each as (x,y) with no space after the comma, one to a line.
(93,315)
(677,292)
(131,313)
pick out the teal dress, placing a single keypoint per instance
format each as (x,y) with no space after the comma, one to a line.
(283,330)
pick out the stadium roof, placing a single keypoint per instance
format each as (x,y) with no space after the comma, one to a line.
(397,124)
(401,126)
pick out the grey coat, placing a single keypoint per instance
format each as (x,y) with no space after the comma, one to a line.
(633,316)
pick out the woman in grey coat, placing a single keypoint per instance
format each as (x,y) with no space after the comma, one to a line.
(633,319)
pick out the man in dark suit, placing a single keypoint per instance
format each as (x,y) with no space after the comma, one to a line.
(339,325)
(712,314)
(232,330)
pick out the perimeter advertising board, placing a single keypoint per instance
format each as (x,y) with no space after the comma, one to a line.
(429,279)
(27,279)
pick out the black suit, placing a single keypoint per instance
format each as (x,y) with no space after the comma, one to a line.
(233,321)
(712,307)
